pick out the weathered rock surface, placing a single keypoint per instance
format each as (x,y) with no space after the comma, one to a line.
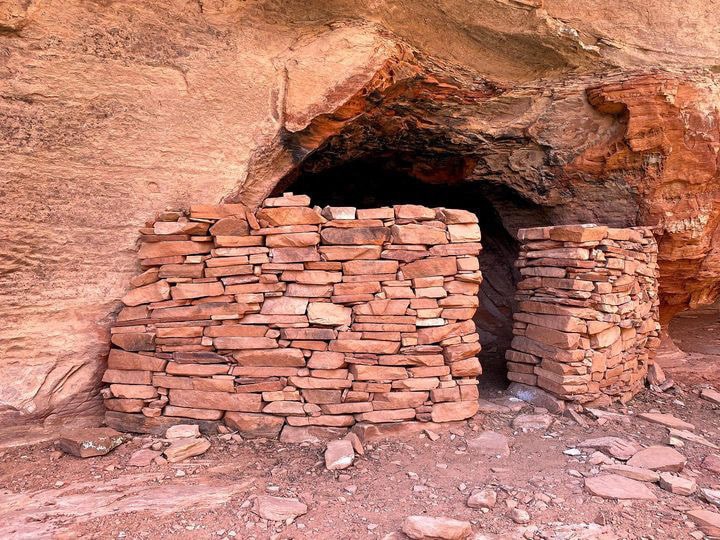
(594,130)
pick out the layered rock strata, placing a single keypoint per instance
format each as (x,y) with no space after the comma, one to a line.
(298,316)
(587,318)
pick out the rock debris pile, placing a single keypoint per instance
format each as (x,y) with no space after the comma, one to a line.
(587,311)
(297,316)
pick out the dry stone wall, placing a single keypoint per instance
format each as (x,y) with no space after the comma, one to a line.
(297,316)
(587,311)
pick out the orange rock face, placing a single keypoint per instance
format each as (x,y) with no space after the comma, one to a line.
(143,106)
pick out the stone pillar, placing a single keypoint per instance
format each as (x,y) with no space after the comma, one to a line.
(587,319)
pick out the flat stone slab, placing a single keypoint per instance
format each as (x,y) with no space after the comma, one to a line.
(532,422)
(677,484)
(707,521)
(659,458)
(613,446)
(490,443)
(691,437)
(614,486)
(712,463)
(635,473)
(667,420)
(713,396)
(143,458)
(436,528)
(185,448)
(278,508)
(89,442)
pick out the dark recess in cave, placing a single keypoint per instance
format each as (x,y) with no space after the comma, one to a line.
(373,182)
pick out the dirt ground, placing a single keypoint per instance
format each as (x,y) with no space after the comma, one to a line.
(44,494)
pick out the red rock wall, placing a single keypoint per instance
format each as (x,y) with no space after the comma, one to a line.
(298,316)
(587,318)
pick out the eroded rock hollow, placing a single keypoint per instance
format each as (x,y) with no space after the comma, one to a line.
(534,113)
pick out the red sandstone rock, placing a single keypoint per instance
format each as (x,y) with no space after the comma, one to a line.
(436,528)
(289,216)
(89,442)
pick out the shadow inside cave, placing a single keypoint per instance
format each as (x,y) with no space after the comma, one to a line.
(368,183)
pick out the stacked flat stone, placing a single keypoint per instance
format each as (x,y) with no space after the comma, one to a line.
(297,316)
(587,311)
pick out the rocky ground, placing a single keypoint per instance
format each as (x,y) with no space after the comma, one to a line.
(534,489)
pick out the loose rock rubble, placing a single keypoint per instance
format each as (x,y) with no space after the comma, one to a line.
(293,317)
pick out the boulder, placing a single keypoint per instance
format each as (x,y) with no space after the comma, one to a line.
(536,396)
(486,498)
(254,425)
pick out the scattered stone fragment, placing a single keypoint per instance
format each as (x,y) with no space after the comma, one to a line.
(431,435)
(711,395)
(614,486)
(636,473)
(339,455)
(143,458)
(436,528)
(519,516)
(613,446)
(184,448)
(278,508)
(485,498)
(658,458)
(711,495)
(667,420)
(712,463)
(89,442)
(707,521)
(490,443)
(677,484)
(181,431)
(530,422)
(356,443)
(690,436)
(656,375)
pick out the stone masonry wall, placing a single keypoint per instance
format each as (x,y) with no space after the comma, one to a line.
(587,311)
(296,316)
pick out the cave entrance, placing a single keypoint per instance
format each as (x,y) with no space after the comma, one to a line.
(375,182)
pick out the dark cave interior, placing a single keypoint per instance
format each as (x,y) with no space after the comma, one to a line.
(374,182)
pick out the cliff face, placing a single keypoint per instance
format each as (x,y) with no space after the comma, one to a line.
(113,111)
